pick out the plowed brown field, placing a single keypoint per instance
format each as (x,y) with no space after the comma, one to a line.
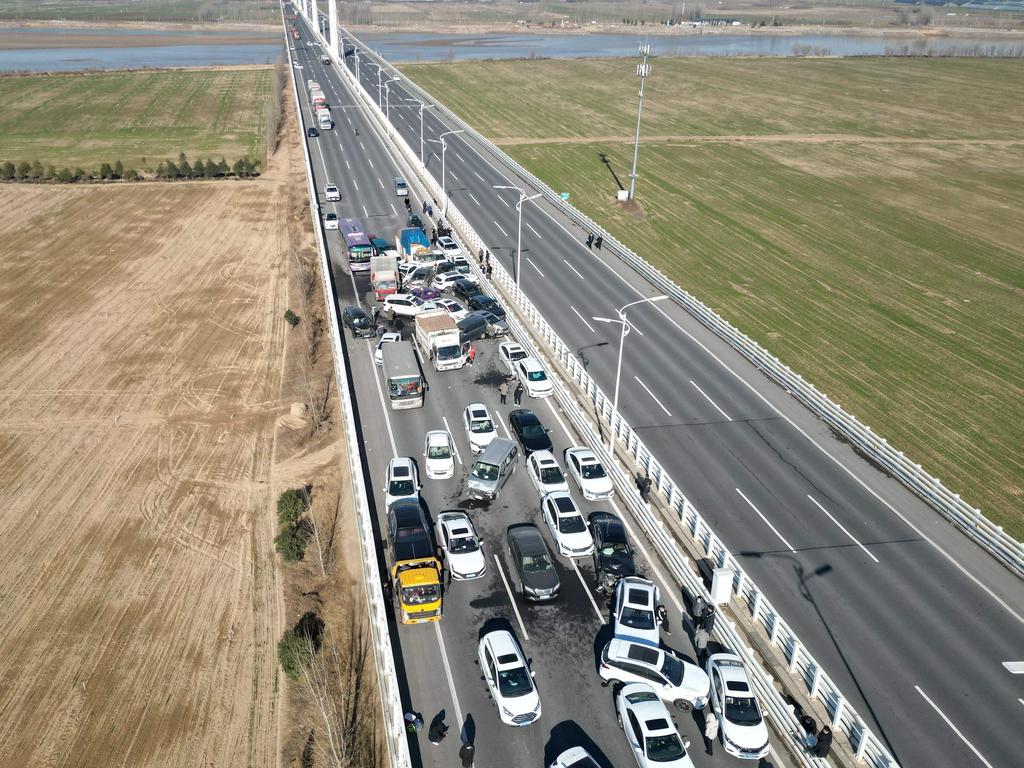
(141,348)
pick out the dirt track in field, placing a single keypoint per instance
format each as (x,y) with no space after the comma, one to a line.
(142,347)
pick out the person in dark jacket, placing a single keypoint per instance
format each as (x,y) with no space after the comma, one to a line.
(598,241)
(517,396)
(709,618)
(821,749)
(438,729)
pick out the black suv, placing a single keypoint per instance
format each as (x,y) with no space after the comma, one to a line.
(312,132)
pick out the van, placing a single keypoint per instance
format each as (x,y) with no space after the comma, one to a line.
(492,469)
(472,327)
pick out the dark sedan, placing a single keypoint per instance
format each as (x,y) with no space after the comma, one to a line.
(486,303)
(356,320)
(532,562)
(613,555)
(530,433)
(414,220)
(465,289)
(312,133)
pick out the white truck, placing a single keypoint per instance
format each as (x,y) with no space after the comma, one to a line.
(437,337)
(383,276)
(323,118)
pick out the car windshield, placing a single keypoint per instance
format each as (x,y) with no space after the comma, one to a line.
(742,710)
(662,749)
(637,618)
(672,668)
(536,563)
(614,548)
(452,352)
(439,452)
(400,488)
(533,430)
(592,471)
(571,524)
(514,682)
(464,544)
(536,376)
(419,595)
(485,471)
(481,425)
(332,217)
(360,321)
(551,476)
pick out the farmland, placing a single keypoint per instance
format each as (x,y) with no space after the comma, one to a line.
(860,218)
(140,118)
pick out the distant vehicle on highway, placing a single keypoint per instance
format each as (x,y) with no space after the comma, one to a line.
(577,757)
(330,220)
(650,733)
(509,678)
(496,326)
(479,426)
(405,305)
(449,247)
(312,132)
(532,562)
(485,302)
(465,289)
(529,431)
(331,193)
(387,338)
(453,308)
(414,220)
(356,320)
(545,473)
(439,455)
(401,481)
(582,465)
(741,724)
(401,188)
(613,554)
(510,352)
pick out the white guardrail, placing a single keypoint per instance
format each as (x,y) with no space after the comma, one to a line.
(970,520)
(384,657)
(844,720)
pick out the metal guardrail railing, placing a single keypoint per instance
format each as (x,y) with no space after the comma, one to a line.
(844,719)
(384,657)
(1001,545)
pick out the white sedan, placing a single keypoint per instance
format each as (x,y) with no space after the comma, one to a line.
(589,474)
(479,426)
(510,353)
(509,678)
(453,308)
(446,280)
(545,473)
(634,607)
(448,247)
(387,338)
(567,526)
(741,723)
(676,682)
(463,552)
(405,305)
(439,455)
(650,733)
(402,481)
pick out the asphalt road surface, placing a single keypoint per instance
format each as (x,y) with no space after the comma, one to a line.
(911,620)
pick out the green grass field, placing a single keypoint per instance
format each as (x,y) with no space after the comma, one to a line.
(183,11)
(140,118)
(860,218)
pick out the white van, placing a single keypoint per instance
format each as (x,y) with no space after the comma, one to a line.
(492,469)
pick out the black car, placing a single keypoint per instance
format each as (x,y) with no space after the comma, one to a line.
(358,321)
(408,532)
(312,132)
(530,433)
(472,327)
(532,562)
(613,555)
(496,326)
(414,220)
(465,289)
(485,302)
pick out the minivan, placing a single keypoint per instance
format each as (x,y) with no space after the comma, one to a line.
(472,327)
(492,468)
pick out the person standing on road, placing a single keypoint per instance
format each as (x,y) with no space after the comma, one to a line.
(466,755)
(503,391)
(471,354)
(700,643)
(710,731)
(517,396)
(598,241)
(430,210)
(590,241)
(424,206)
(709,618)
(374,312)
(438,729)
(662,612)
(700,605)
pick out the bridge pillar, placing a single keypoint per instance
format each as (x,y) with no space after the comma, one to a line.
(332,21)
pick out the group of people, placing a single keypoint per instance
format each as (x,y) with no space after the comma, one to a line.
(594,241)
(484,257)
(441,230)
(439,729)
(517,394)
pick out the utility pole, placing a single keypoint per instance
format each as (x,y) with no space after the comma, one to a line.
(642,71)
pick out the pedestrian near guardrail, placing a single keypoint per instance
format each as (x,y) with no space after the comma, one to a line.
(700,644)
(424,206)
(590,240)
(700,605)
(710,732)
(663,619)
(709,618)
(597,242)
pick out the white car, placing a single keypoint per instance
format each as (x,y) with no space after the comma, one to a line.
(533,377)
(402,481)
(740,720)
(387,338)
(589,474)
(445,280)
(332,193)
(633,610)
(577,757)
(439,455)
(567,526)
(480,429)
(509,678)
(676,682)
(650,732)
(545,473)
(448,246)
(453,308)
(330,220)
(510,353)
(401,188)
(405,305)
(463,553)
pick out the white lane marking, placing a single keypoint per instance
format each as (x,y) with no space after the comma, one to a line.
(474,198)
(1021,701)
(708,398)
(507,433)
(953,727)
(766,522)
(655,399)
(380,182)
(600,616)
(453,175)
(348,119)
(479,176)
(355,182)
(503,200)
(361,145)
(534,266)
(448,671)
(369,161)
(461,158)
(452,438)
(537,234)
(393,209)
(570,266)
(502,230)
(347,165)
(581,317)
(366,213)
(1014,667)
(841,528)
(511,597)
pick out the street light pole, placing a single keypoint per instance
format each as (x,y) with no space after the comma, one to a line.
(422,107)
(380,87)
(444,145)
(519,229)
(387,97)
(618,368)
(642,71)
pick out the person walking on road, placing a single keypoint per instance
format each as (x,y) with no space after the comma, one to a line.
(598,241)
(503,391)
(590,241)
(517,396)
(700,643)
(424,206)
(709,618)
(710,731)
(430,210)
(700,605)
(471,354)
(490,269)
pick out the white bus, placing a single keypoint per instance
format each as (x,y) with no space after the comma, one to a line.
(402,375)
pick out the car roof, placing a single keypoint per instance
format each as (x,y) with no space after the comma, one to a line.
(390,336)
(530,362)
(731,668)
(544,458)
(437,434)
(400,462)
(564,505)
(525,416)
(637,592)
(475,411)
(452,517)
(503,644)
(529,538)
(622,649)
(648,712)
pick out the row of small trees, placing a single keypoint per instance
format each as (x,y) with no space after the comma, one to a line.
(182,169)
(211,169)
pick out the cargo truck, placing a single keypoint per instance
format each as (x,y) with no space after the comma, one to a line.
(437,337)
(411,241)
(318,99)
(323,118)
(416,573)
(383,276)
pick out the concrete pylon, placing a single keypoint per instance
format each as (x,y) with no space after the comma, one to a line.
(315,17)
(332,22)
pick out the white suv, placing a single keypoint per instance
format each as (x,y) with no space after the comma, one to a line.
(567,526)
(676,682)
(331,193)
(402,481)
(509,678)
(633,610)
(533,377)
(480,430)
(741,723)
